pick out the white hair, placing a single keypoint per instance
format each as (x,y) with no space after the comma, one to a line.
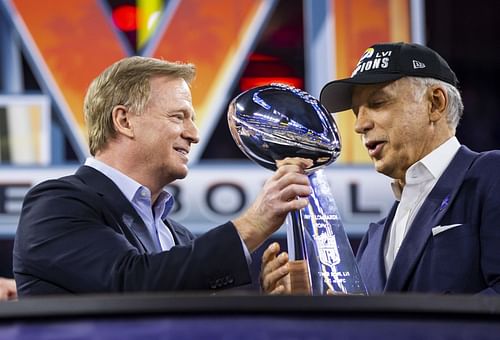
(455,106)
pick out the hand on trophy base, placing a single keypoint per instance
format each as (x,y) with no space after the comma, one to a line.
(274,273)
(280,276)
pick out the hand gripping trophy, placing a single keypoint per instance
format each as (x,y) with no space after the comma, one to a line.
(273,122)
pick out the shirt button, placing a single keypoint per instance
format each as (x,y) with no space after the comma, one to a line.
(144,193)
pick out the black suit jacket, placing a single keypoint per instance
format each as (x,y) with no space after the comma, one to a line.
(79,234)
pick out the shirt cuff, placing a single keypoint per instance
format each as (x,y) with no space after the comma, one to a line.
(248,257)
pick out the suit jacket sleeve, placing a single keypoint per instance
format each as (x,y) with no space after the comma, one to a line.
(69,240)
(487,192)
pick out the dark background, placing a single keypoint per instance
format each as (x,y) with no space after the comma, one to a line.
(466,33)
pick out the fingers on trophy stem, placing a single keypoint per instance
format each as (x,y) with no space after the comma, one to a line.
(287,190)
(279,290)
(303,163)
(274,270)
(270,253)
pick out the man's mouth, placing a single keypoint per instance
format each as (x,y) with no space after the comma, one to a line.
(181,150)
(374,148)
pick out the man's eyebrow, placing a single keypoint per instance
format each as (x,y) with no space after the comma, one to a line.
(186,111)
(379,91)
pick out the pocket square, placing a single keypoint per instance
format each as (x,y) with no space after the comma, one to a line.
(440,228)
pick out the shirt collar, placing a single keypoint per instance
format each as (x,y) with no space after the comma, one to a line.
(439,159)
(431,167)
(165,200)
(129,187)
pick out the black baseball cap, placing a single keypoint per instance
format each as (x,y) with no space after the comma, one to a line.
(383,63)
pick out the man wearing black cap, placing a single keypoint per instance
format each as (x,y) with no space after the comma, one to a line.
(442,234)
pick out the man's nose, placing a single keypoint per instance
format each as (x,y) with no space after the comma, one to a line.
(191,131)
(363,122)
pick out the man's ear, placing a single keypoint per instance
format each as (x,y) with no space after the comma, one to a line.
(121,121)
(438,103)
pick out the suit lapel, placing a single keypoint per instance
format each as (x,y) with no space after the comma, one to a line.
(428,216)
(122,208)
(179,234)
(135,223)
(372,266)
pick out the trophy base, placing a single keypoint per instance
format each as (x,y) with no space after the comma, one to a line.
(299,277)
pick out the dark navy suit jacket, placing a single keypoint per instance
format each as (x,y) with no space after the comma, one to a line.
(79,234)
(465,257)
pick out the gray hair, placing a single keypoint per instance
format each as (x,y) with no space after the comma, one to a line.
(455,107)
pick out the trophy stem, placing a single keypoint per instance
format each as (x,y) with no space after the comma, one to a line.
(331,260)
(300,278)
(320,252)
(298,236)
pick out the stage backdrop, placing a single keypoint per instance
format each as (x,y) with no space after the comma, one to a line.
(65,44)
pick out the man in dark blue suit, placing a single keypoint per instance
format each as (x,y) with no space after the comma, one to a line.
(106,228)
(443,233)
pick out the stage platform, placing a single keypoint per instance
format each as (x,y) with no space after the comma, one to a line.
(241,316)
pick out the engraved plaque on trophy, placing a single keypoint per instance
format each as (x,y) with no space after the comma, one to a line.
(270,123)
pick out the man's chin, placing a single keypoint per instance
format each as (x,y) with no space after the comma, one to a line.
(384,170)
(379,167)
(175,176)
(182,173)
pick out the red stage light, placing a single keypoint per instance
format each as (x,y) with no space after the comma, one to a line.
(265,69)
(125,17)
(251,82)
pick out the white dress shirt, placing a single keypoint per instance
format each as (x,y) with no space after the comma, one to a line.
(420,179)
(140,198)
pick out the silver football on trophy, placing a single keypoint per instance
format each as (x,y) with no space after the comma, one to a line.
(276,121)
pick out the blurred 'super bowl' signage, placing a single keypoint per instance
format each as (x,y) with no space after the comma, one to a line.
(215,193)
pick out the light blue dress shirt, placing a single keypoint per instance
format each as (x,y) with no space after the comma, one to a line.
(140,197)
